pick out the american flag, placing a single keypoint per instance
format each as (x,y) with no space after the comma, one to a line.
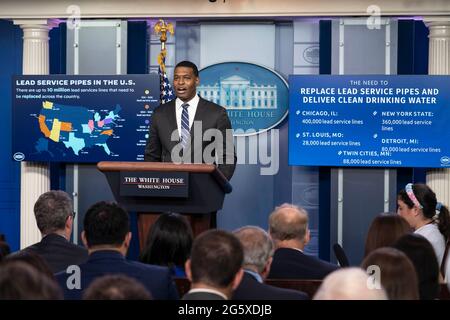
(166,92)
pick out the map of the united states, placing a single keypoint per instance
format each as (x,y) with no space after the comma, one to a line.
(77,128)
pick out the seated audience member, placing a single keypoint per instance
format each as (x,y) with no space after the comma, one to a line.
(54,216)
(107,236)
(32,259)
(421,253)
(349,284)
(417,203)
(19,281)
(116,287)
(288,227)
(4,249)
(215,266)
(169,243)
(395,271)
(385,229)
(258,251)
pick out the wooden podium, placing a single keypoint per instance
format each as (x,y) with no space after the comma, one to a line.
(150,188)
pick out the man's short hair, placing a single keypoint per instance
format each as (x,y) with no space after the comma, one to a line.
(106,223)
(216,258)
(288,222)
(116,287)
(188,64)
(349,284)
(51,211)
(257,244)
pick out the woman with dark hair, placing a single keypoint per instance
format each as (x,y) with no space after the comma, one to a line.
(417,203)
(421,253)
(169,243)
(385,229)
(396,273)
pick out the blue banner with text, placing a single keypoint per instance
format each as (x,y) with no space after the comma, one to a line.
(369,121)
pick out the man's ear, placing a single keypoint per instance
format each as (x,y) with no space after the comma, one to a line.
(127,240)
(69,223)
(83,239)
(307,236)
(237,278)
(187,269)
(197,81)
(266,270)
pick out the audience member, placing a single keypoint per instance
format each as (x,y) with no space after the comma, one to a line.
(395,272)
(116,287)
(107,236)
(215,266)
(417,203)
(169,243)
(4,249)
(288,227)
(349,284)
(421,253)
(32,259)
(54,216)
(385,229)
(19,281)
(258,251)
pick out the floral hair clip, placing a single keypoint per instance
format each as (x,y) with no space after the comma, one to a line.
(411,196)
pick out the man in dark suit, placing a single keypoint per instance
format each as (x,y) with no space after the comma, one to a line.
(190,129)
(258,251)
(54,216)
(288,227)
(107,236)
(215,266)
(177,133)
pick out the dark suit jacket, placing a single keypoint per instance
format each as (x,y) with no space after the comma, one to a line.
(251,289)
(58,252)
(202,296)
(159,146)
(293,264)
(156,279)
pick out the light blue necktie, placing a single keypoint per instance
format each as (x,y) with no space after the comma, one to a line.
(185,135)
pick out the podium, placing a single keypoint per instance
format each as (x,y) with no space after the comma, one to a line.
(151,188)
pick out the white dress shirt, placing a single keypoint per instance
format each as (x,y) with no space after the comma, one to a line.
(208,291)
(431,233)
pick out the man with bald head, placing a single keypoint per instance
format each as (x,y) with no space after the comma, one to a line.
(288,227)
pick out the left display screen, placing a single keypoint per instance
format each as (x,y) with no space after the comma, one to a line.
(82,118)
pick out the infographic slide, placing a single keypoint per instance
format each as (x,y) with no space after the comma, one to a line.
(75,119)
(369,121)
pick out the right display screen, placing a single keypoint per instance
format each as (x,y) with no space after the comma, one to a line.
(369,121)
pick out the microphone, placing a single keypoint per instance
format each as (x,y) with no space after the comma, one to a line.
(340,255)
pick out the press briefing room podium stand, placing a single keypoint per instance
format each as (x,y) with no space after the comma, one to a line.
(150,188)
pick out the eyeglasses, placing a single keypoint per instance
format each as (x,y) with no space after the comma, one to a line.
(73,214)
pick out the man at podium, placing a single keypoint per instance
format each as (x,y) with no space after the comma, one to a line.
(190,129)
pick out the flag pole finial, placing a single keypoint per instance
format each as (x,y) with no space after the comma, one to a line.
(161,28)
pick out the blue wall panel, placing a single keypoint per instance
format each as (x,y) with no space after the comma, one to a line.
(10,63)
